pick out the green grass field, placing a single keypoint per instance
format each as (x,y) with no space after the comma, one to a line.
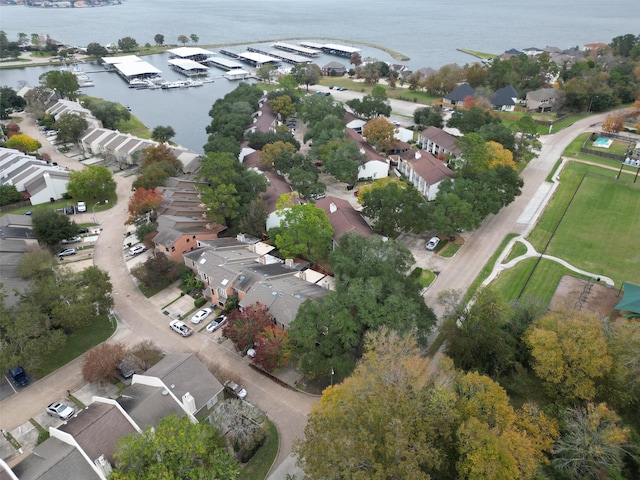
(595,230)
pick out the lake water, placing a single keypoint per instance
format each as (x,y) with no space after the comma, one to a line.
(428,32)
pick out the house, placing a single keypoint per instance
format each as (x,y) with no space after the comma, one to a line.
(38,181)
(375,165)
(543,99)
(62,107)
(334,69)
(423,171)
(174,242)
(343,218)
(456,96)
(178,384)
(439,143)
(82,447)
(505,99)
(511,53)
(283,296)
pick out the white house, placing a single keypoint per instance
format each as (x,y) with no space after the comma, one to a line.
(423,171)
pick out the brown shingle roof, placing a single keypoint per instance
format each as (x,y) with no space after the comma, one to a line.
(343,217)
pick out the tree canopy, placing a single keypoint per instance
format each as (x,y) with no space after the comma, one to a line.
(65,84)
(52,227)
(304,230)
(91,183)
(70,127)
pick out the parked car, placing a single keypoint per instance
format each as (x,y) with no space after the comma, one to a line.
(317,196)
(433,243)
(216,323)
(69,210)
(71,240)
(66,252)
(126,368)
(83,230)
(235,389)
(201,315)
(19,376)
(180,327)
(28,212)
(137,249)
(82,207)
(60,410)
(341,89)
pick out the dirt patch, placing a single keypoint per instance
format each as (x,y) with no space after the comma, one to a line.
(577,294)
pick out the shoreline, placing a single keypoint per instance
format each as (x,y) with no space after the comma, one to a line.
(38,62)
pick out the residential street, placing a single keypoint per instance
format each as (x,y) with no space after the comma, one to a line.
(140,319)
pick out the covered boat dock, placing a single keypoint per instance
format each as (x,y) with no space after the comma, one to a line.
(237,74)
(195,54)
(188,68)
(110,62)
(297,49)
(137,70)
(285,57)
(225,63)
(333,48)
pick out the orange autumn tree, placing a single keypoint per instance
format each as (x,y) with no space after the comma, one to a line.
(498,155)
(143,201)
(613,123)
(379,132)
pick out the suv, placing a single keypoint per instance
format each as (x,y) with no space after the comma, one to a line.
(71,240)
(433,243)
(136,250)
(180,327)
(82,207)
(235,389)
(19,376)
(66,252)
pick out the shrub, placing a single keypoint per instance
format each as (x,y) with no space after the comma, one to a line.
(198,302)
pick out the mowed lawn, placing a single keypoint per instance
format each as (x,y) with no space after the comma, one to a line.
(598,232)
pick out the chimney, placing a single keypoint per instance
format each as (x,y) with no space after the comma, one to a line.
(325,284)
(103,465)
(418,155)
(263,260)
(288,262)
(240,237)
(333,208)
(303,276)
(189,403)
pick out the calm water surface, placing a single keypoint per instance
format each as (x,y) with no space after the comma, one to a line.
(427,31)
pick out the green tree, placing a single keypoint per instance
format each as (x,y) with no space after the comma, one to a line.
(254,221)
(9,194)
(394,207)
(527,139)
(304,230)
(569,352)
(24,143)
(592,445)
(96,50)
(109,113)
(145,229)
(162,133)
(370,106)
(93,182)
(176,448)
(194,38)
(264,72)
(306,74)
(65,84)
(157,272)
(159,39)
(305,181)
(151,177)
(283,105)
(36,264)
(70,127)
(127,44)
(52,227)
(427,116)
(471,120)
(10,101)
(345,161)
(183,39)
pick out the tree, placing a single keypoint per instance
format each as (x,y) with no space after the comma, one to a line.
(444,424)
(304,230)
(65,84)
(569,352)
(9,194)
(158,271)
(127,44)
(160,155)
(283,106)
(93,182)
(52,227)
(163,134)
(176,448)
(306,74)
(345,161)
(109,113)
(370,106)
(24,143)
(255,219)
(244,327)
(527,139)
(96,50)
(273,349)
(10,101)
(355,59)
(394,207)
(183,39)
(159,39)
(471,120)
(194,38)
(592,445)
(613,123)
(151,177)
(70,127)
(36,264)
(428,116)
(143,201)
(499,156)
(100,362)
(379,132)
(144,229)
(272,150)
(95,288)
(37,100)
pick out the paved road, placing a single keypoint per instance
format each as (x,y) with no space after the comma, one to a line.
(519,217)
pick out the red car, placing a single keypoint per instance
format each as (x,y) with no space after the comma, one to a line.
(356,193)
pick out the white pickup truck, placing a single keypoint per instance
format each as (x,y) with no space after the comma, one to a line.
(180,327)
